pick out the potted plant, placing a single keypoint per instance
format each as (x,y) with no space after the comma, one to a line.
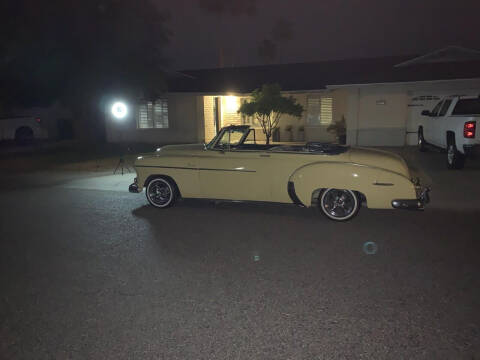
(289,129)
(301,133)
(339,128)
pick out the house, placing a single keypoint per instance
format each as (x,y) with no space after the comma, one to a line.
(380,98)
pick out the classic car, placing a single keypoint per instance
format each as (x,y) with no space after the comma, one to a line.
(233,166)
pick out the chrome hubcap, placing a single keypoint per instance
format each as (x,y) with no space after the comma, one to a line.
(339,203)
(159,192)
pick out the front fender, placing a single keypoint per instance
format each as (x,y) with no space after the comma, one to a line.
(379,186)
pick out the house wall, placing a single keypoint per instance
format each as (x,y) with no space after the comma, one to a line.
(209,123)
(309,133)
(185,117)
(320,133)
(387,115)
(382,116)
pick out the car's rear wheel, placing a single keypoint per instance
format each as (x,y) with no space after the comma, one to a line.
(421,140)
(339,204)
(161,192)
(455,159)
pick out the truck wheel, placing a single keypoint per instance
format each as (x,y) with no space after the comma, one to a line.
(455,159)
(23,135)
(421,141)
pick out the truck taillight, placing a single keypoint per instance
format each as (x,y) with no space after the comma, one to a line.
(469,129)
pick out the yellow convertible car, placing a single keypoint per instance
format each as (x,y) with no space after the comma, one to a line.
(337,179)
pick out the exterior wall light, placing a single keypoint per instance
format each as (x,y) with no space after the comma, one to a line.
(119,110)
(231,103)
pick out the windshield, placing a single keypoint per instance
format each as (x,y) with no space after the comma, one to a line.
(231,136)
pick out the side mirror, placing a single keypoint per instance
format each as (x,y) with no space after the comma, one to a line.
(426,113)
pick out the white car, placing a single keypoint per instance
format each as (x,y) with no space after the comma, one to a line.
(451,125)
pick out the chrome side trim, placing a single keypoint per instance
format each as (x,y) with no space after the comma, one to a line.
(191,168)
(382,184)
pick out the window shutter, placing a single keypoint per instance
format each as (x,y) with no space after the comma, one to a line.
(313,110)
(160,116)
(326,110)
(144,117)
(319,110)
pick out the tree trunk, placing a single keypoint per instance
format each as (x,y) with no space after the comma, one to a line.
(268,139)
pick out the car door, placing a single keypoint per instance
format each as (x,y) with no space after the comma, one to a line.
(441,124)
(430,128)
(227,173)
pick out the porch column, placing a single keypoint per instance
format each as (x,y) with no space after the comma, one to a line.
(352,115)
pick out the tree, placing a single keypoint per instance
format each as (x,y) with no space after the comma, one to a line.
(80,52)
(220,8)
(268,105)
(282,32)
(267,51)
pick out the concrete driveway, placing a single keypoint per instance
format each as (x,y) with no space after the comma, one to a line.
(88,270)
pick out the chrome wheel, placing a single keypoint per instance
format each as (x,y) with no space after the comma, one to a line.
(160,193)
(339,204)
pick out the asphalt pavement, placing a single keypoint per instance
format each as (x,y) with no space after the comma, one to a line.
(90,271)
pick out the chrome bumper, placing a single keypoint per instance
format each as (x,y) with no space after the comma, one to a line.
(415,204)
(133,188)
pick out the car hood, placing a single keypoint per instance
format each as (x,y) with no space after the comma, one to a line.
(183,147)
(380,159)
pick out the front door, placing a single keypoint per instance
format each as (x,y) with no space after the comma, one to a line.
(431,124)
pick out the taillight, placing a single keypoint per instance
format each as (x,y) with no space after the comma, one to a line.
(469,129)
(38,120)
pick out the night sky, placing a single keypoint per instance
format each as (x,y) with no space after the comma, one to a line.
(322,30)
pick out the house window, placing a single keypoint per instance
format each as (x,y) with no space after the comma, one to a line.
(319,110)
(153,115)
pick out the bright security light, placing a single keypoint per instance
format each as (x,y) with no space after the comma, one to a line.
(231,103)
(119,110)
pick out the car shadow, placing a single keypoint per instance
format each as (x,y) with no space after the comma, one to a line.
(195,230)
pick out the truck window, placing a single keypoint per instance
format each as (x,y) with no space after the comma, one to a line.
(467,107)
(445,106)
(436,109)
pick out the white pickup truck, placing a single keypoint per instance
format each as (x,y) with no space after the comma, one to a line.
(22,129)
(451,125)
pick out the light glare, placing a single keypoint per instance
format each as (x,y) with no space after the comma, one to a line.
(231,103)
(119,110)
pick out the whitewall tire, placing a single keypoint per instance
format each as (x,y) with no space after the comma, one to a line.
(339,204)
(161,192)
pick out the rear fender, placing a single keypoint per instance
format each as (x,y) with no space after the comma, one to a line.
(379,186)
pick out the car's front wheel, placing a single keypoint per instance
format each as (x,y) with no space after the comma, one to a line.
(339,204)
(161,192)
